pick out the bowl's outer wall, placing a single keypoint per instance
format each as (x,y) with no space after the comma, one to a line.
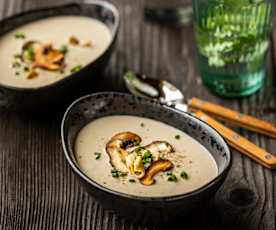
(148,212)
(104,104)
(77,84)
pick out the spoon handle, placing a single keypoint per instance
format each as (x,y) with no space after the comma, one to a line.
(234,117)
(240,143)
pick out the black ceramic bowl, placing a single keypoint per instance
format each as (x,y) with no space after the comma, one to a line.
(143,209)
(77,84)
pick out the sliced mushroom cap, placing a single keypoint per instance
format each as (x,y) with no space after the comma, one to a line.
(134,160)
(116,149)
(156,167)
(48,58)
(158,148)
(138,167)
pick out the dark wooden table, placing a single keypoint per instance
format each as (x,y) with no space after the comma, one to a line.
(38,189)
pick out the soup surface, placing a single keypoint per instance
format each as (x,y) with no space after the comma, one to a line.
(77,40)
(193,165)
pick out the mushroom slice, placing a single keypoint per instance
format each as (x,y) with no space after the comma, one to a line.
(156,167)
(130,158)
(48,58)
(117,149)
(158,148)
(138,167)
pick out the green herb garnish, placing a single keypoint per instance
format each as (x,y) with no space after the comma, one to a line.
(147,154)
(76,68)
(184,175)
(17,73)
(26,68)
(16,64)
(177,137)
(20,35)
(29,53)
(17,56)
(63,49)
(135,143)
(172,177)
(131,180)
(147,162)
(142,125)
(139,149)
(116,174)
(147,159)
(98,155)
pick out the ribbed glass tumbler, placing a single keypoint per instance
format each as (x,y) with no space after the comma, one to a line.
(232,40)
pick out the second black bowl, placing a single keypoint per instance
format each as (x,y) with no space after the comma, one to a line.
(77,84)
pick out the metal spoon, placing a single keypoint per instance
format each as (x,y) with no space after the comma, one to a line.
(161,90)
(166,93)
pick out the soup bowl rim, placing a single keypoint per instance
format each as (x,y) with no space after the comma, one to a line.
(93,183)
(113,31)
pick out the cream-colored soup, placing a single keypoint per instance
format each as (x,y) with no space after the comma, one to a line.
(189,156)
(56,31)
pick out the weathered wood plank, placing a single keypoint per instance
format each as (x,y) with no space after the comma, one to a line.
(38,189)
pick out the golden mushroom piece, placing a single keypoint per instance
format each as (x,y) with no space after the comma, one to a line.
(159,148)
(42,55)
(143,162)
(116,149)
(156,167)
(48,58)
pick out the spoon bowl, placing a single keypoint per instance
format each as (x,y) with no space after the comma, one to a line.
(164,91)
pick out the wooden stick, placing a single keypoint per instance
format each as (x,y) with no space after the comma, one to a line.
(239,119)
(240,143)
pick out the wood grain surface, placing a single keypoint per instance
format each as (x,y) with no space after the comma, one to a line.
(38,189)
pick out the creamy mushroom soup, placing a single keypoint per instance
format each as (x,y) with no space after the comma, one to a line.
(45,51)
(142,157)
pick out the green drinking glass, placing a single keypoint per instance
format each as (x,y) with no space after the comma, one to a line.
(232,41)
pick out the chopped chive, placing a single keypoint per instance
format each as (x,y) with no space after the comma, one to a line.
(142,125)
(29,53)
(116,174)
(16,64)
(131,180)
(136,143)
(17,73)
(20,35)
(26,68)
(98,155)
(147,154)
(139,149)
(172,178)
(184,175)
(147,159)
(177,137)
(122,174)
(76,68)
(63,49)
(17,56)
